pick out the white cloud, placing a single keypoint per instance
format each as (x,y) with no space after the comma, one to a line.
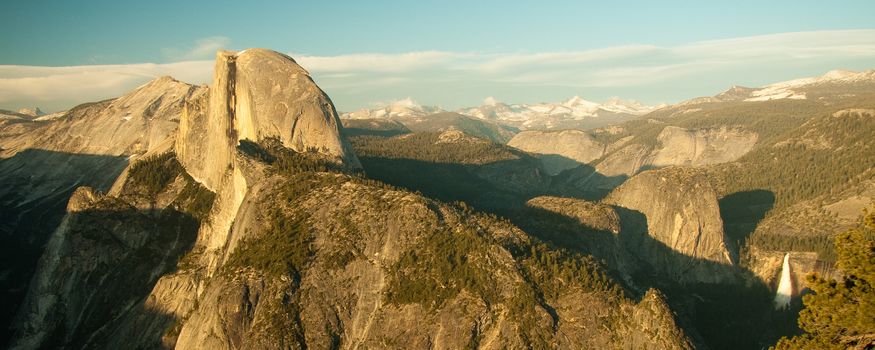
(55,88)
(667,73)
(506,62)
(202,48)
(376,62)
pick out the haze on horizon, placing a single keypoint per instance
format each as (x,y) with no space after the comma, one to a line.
(56,54)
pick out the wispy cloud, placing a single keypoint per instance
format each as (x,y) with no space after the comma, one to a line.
(376,62)
(202,48)
(457,78)
(58,88)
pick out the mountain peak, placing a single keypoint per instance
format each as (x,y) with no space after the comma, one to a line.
(490,101)
(31,111)
(578,101)
(839,74)
(257,94)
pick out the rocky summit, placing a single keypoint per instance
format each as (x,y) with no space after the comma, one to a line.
(257,94)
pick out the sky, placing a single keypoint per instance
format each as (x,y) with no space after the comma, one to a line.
(453,54)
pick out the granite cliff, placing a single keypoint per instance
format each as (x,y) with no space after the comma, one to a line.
(675,224)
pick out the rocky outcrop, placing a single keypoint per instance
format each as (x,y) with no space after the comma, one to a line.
(680,146)
(654,316)
(607,164)
(32,112)
(42,161)
(674,224)
(98,265)
(363,238)
(590,227)
(589,214)
(91,144)
(257,94)
(129,125)
(559,150)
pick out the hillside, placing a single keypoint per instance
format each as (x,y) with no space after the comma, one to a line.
(42,162)
(453,166)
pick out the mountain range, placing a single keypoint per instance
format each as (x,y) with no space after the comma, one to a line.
(250,214)
(575,112)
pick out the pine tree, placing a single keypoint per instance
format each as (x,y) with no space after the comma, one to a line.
(840,314)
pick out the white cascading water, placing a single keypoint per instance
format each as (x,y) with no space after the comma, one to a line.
(785,286)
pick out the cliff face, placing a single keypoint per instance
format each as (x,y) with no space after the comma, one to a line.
(767,266)
(675,224)
(606,164)
(559,150)
(42,161)
(681,146)
(257,94)
(105,256)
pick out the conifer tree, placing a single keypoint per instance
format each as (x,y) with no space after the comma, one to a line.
(840,314)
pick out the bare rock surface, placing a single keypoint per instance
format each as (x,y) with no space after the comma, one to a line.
(559,150)
(678,213)
(679,146)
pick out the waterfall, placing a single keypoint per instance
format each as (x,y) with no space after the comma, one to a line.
(785,286)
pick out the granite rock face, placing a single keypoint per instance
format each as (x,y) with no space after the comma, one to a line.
(559,150)
(257,94)
(276,97)
(593,215)
(681,146)
(675,224)
(597,166)
(44,159)
(98,265)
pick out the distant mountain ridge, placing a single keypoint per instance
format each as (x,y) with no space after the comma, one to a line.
(575,112)
(579,113)
(796,89)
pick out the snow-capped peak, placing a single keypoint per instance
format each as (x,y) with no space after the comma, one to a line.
(839,74)
(31,111)
(575,108)
(406,107)
(791,89)
(617,105)
(579,101)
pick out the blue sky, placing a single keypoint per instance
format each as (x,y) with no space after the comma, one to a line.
(55,54)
